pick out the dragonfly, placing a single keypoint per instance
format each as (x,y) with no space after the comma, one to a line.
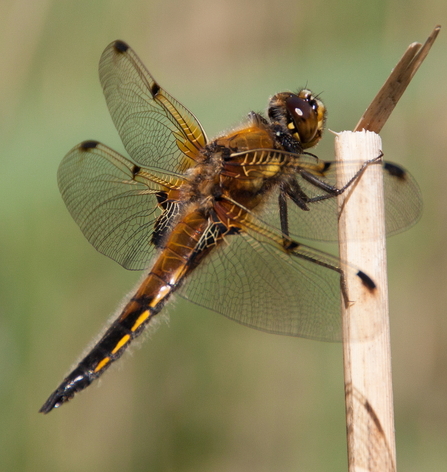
(215,221)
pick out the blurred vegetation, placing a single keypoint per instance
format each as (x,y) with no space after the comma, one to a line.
(206,394)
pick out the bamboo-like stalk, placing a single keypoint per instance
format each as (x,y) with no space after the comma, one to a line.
(367,353)
(366,346)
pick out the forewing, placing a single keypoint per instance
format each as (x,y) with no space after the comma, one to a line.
(113,201)
(156,130)
(403,200)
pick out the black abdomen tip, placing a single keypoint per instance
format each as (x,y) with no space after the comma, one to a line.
(55,400)
(79,379)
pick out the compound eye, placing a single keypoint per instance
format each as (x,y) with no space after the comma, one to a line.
(304,125)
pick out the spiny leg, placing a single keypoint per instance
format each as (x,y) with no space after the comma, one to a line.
(330,189)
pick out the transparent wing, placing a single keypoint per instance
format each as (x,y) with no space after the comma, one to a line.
(403,200)
(403,204)
(260,279)
(113,201)
(258,285)
(156,130)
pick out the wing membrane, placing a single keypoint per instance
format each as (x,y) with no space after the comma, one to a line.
(260,279)
(403,201)
(113,201)
(156,129)
(260,286)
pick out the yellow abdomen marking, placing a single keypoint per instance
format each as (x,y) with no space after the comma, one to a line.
(165,290)
(124,340)
(102,364)
(141,319)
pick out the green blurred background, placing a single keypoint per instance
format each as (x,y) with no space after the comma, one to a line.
(205,394)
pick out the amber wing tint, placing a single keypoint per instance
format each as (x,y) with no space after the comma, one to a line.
(154,127)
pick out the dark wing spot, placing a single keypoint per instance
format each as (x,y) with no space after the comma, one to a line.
(162,199)
(366,281)
(88,145)
(326,167)
(135,170)
(120,46)
(395,170)
(233,230)
(162,226)
(155,89)
(159,232)
(290,245)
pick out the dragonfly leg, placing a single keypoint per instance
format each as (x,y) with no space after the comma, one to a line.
(332,191)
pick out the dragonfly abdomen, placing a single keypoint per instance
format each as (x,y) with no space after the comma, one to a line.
(166,275)
(132,321)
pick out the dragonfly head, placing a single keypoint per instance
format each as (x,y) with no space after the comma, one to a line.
(302,115)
